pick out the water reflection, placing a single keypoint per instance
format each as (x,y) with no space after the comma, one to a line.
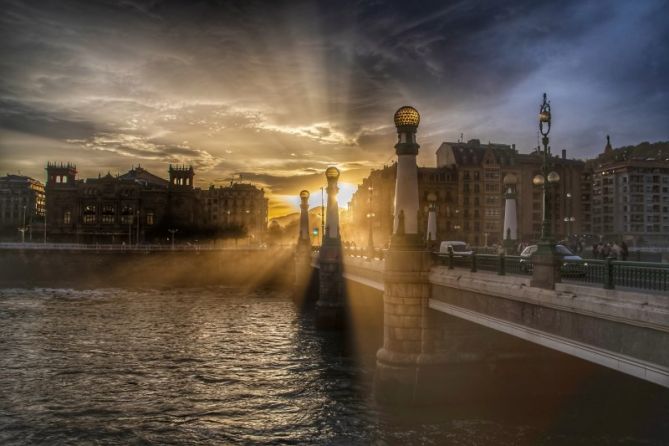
(232,366)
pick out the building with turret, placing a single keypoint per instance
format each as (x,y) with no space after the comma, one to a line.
(140,207)
(630,194)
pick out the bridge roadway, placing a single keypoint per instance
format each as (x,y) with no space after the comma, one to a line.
(623,330)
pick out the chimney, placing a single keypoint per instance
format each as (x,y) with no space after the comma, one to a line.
(564,154)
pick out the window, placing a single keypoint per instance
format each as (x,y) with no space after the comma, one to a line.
(90,212)
(108,212)
(126,214)
(67,217)
(150,217)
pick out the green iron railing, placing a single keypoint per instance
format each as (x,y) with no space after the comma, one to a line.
(609,273)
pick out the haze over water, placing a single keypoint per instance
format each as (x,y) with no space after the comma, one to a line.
(229,366)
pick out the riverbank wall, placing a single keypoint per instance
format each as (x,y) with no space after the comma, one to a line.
(145,269)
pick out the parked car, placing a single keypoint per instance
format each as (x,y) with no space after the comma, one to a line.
(572,264)
(459,249)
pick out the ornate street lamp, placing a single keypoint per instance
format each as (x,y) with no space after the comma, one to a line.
(546,268)
(370,217)
(546,179)
(172,232)
(569,219)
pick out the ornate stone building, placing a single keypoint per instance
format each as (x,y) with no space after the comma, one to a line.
(135,207)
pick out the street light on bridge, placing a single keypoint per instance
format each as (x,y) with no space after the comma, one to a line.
(172,232)
(546,268)
(569,219)
(370,216)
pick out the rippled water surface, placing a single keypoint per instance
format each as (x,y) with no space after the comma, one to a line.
(208,366)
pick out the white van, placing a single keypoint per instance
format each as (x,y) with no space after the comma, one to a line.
(459,249)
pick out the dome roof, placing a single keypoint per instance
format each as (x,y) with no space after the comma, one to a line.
(510,178)
(407,116)
(304,194)
(332,172)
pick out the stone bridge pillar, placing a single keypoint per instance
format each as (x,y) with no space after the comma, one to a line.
(330,309)
(408,341)
(303,269)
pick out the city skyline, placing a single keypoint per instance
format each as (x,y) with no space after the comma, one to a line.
(278,92)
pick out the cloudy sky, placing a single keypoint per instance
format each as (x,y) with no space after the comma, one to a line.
(276,91)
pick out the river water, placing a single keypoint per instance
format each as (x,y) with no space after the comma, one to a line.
(232,366)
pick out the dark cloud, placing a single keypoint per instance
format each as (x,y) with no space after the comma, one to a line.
(22,118)
(288,87)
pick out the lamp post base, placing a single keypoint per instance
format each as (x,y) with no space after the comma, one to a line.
(510,247)
(545,267)
(330,307)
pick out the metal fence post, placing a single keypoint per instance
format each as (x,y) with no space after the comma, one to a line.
(450,259)
(608,274)
(474,261)
(502,264)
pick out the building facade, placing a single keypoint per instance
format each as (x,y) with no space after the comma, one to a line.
(469,184)
(241,204)
(373,202)
(22,207)
(630,198)
(135,207)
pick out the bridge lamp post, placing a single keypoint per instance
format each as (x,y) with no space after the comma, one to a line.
(370,216)
(570,218)
(247,224)
(172,232)
(322,215)
(370,238)
(546,267)
(568,221)
(23,228)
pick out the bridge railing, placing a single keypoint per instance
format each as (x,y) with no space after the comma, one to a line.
(607,273)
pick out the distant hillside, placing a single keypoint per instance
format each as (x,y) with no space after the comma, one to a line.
(285,220)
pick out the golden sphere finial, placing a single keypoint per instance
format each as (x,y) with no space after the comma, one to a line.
(332,172)
(304,194)
(407,116)
(510,179)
